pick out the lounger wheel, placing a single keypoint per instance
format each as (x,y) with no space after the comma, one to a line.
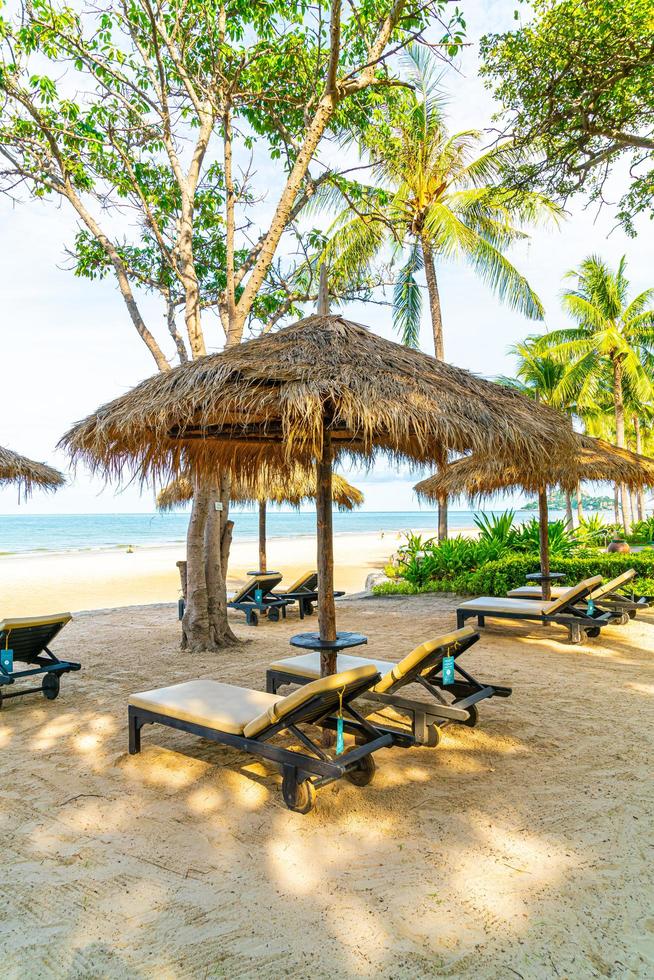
(252,619)
(433,736)
(273,615)
(593,631)
(299,797)
(473,715)
(50,686)
(308,609)
(364,772)
(632,614)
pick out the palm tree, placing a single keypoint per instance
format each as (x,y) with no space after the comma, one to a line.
(613,341)
(538,375)
(432,199)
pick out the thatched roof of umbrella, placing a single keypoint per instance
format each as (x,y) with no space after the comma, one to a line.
(480,476)
(298,487)
(235,408)
(26,473)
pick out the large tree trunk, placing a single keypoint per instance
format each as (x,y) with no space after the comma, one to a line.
(217,537)
(439,352)
(195,624)
(618,402)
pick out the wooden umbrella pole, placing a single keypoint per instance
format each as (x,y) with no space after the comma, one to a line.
(326,607)
(262,536)
(543,521)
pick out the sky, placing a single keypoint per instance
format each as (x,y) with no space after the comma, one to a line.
(68,345)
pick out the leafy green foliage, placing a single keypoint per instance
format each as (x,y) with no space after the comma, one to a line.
(499,577)
(595,532)
(576,86)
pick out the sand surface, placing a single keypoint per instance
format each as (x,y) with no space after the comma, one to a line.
(520,848)
(30,584)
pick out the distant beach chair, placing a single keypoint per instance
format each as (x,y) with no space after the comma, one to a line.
(26,640)
(257,597)
(568,610)
(248,720)
(305,592)
(423,666)
(610,595)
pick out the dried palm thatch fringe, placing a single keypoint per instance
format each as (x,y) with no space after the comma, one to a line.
(479,477)
(26,473)
(296,488)
(266,400)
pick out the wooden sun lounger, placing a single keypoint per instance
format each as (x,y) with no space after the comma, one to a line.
(305,592)
(248,720)
(28,638)
(423,666)
(257,596)
(568,610)
(610,595)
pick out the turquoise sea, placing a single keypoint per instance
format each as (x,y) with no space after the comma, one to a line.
(81,532)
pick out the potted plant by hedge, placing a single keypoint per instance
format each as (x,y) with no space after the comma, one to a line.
(618,544)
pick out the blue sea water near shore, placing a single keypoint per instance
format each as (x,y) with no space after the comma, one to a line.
(24,533)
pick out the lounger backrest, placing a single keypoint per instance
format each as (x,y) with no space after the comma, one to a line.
(318,697)
(577,592)
(28,636)
(265,582)
(424,657)
(615,584)
(306,583)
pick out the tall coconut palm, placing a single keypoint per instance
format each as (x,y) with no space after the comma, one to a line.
(613,340)
(432,199)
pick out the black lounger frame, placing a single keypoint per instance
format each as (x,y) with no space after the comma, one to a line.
(318,767)
(49,665)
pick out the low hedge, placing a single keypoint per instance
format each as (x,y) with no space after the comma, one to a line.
(496,578)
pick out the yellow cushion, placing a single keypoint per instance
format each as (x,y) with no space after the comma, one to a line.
(324,685)
(582,588)
(487,605)
(614,584)
(303,582)
(268,581)
(420,654)
(308,665)
(535,592)
(209,703)
(26,621)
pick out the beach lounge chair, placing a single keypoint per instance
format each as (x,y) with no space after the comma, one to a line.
(257,596)
(248,720)
(305,592)
(570,610)
(26,641)
(610,595)
(423,666)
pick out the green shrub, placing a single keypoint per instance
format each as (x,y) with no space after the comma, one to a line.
(496,578)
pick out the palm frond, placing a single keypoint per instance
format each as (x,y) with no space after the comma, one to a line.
(407,299)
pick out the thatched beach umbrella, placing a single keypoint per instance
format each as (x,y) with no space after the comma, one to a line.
(314,392)
(295,488)
(480,476)
(26,473)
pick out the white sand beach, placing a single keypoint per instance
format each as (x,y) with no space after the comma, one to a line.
(518,848)
(31,584)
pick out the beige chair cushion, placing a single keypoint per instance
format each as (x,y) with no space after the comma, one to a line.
(581,589)
(535,592)
(420,653)
(486,604)
(205,702)
(268,581)
(307,582)
(284,706)
(309,664)
(26,621)
(614,584)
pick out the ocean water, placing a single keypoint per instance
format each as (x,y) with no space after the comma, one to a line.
(81,532)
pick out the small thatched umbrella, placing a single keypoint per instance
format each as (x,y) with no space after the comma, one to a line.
(314,392)
(26,473)
(481,476)
(295,488)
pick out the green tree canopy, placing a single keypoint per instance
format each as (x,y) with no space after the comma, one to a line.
(576,86)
